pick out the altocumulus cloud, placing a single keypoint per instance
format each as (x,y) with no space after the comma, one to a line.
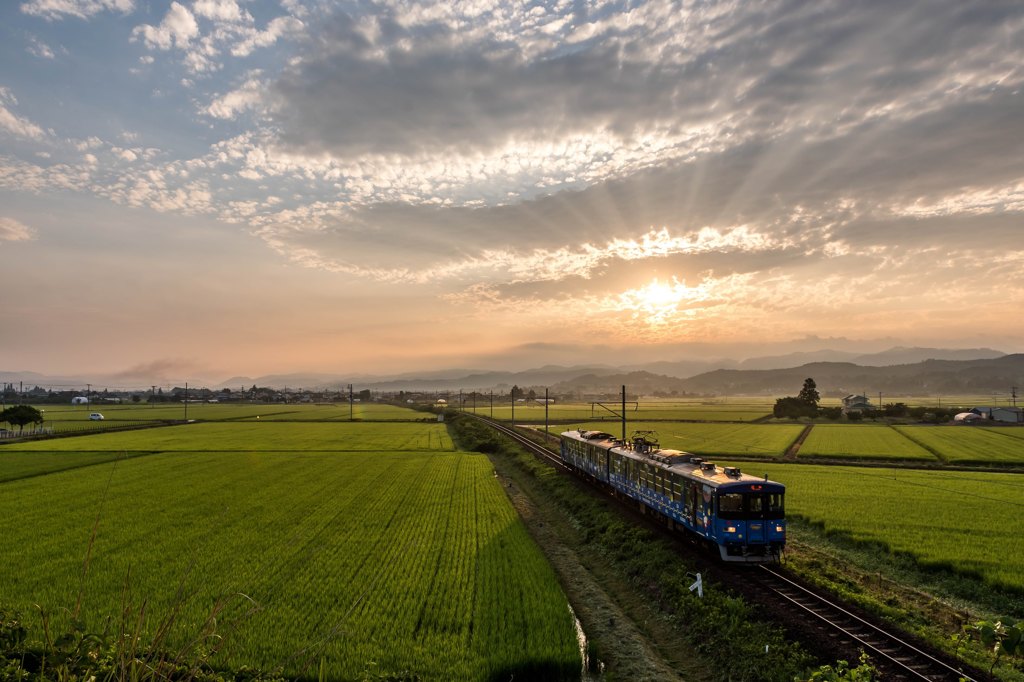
(507,126)
(82,9)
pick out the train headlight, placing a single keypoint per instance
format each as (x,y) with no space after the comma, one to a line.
(730,529)
(778,528)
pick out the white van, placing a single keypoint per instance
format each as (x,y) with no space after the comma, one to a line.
(96,417)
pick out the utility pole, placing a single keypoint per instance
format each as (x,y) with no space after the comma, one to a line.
(492,403)
(1013,395)
(152,396)
(462,405)
(350,403)
(623,413)
(545,411)
(186,401)
(513,392)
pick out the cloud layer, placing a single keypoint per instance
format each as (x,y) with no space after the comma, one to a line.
(684,169)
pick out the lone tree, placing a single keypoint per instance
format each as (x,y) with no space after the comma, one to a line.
(805,404)
(19,415)
(809,393)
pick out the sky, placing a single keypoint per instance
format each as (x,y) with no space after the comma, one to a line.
(226,187)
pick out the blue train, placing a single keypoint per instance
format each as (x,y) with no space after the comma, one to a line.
(743,515)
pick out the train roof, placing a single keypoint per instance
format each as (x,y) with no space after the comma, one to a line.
(684,463)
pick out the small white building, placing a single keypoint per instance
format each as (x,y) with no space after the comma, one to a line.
(856,403)
(80,400)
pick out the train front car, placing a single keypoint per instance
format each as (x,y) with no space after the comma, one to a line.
(749,522)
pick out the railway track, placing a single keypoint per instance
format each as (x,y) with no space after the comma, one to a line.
(893,656)
(548,455)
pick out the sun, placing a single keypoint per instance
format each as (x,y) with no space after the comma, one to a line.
(661,303)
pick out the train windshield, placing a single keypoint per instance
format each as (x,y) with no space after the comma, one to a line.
(751,506)
(774,507)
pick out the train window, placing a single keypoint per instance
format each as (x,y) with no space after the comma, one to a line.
(755,505)
(730,506)
(775,508)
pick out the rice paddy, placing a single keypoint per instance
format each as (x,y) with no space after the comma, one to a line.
(862,441)
(755,440)
(366,550)
(968,522)
(371,547)
(969,445)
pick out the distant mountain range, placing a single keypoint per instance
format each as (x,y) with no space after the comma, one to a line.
(930,377)
(898,370)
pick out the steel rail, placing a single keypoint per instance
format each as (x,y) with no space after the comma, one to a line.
(917,658)
(530,445)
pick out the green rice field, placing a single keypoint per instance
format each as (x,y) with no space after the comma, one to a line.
(1014,432)
(723,409)
(15,464)
(370,549)
(757,440)
(253,437)
(969,445)
(862,441)
(63,415)
(970,522)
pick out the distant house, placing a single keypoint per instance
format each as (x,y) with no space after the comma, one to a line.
(1006,415)
(79,400)
(968,418)
(856,403)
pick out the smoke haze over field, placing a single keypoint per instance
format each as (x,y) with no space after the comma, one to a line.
(214,187)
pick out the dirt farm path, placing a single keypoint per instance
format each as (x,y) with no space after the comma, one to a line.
(629,638)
